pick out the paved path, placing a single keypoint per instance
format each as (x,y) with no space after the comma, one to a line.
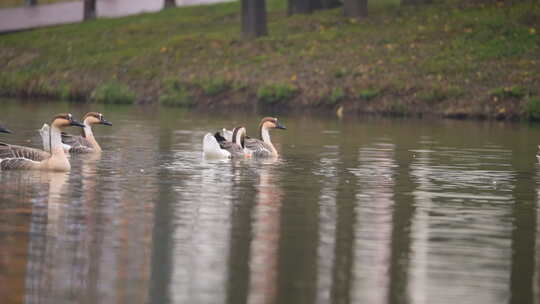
(21,18)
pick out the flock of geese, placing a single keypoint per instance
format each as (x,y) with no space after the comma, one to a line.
(56,144)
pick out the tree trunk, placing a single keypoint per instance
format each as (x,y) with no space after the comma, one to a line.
(416,2)
(169,4)
(299,7)
(253,18)
(327,4)
(317,5)
(30,2)
(89,9)
(355,8)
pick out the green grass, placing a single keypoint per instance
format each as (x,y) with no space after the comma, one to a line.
(433,95)
(478,47)
(277,92)
(113,92)
(509,92)
(213,86)
(368,94)
(176,94)
(335,96)
(340,73)
(532,108)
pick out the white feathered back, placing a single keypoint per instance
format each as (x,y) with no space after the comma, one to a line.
(211,148)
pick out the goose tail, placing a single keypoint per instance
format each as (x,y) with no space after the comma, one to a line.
(211,148)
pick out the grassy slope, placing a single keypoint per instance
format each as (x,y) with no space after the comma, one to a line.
(453,59)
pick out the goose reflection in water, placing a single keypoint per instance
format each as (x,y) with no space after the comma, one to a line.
(266,217)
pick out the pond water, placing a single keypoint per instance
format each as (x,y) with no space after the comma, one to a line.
(359,210)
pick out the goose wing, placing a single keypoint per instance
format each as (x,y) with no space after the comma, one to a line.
(233,148)
(77,143)
(257,147)
(18,163)
(14,151)
(19,157)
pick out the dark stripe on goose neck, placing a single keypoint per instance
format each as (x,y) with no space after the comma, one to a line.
(235,134)
(270,119)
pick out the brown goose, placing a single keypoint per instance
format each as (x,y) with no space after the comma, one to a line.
(85,143)
(263,146)
(14,157)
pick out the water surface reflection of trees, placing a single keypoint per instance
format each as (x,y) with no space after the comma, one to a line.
(87,245)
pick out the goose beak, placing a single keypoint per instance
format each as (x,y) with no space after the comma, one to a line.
(4,130)
(280,126)
(105,122)
(76,123)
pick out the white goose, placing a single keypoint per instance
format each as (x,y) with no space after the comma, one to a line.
(217,146)
(14,157)
(85,143)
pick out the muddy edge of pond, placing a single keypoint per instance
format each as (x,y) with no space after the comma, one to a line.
(387,103)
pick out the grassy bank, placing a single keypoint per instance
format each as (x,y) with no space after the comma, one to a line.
(454,59)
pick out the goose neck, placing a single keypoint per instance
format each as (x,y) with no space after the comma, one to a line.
(87,130)
(89,135)
(55,137)
(265,135)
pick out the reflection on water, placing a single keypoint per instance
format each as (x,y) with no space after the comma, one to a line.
(457,195)
(377,211)
(265,236)
(327,170)
(373,223)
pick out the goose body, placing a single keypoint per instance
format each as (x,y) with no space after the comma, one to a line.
(217,146)
(13,157)
(85,143)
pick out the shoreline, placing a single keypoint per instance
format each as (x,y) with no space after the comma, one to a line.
(348,107)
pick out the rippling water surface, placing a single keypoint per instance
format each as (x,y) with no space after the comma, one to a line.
(360,210)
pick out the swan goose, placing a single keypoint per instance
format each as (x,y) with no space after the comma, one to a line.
(14,157)
(263,146)
(85,143)
(217,146)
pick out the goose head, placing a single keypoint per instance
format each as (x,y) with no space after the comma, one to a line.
(4,130)
(95,118)
(271,123)
(65,120)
